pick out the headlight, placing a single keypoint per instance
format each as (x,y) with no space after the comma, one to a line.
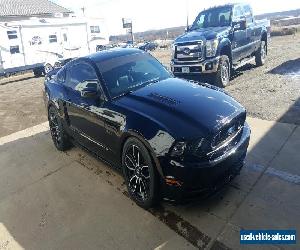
(178,149)
(211,47)
(173,50)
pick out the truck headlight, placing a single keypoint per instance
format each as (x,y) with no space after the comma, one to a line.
(173,50)
(211,47)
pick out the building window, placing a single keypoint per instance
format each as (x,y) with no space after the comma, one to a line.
(14,49)
(52,39)
(95,29)
(12,34)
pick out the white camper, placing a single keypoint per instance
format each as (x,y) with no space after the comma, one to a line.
(42,44)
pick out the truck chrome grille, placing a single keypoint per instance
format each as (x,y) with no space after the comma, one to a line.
(189,52)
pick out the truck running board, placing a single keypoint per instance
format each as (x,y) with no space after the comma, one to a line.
(244,62)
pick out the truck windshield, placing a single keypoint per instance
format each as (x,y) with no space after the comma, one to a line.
(128,73)
(215,17)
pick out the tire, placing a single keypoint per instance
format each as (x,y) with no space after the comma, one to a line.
(260,54)
(38,72)
(222,76)
(59,136)
(47,68)
(140,174)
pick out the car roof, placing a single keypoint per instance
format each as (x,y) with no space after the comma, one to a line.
(112,53)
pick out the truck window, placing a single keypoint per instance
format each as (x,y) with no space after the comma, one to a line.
(238,13)
(14,49)
(248,13)
(12,34)
(215,17)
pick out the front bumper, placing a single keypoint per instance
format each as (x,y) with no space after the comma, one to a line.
(197,179)
(207,66)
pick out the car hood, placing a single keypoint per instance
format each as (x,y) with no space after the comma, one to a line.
(202,34)
(183,108)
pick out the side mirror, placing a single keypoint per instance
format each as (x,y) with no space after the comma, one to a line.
(240,24)
(88,88)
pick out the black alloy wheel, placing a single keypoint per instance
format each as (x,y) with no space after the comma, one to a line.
(140,175)
(59,136)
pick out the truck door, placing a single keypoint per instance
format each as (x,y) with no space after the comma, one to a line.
(250,30)
(239,41)
(13,55)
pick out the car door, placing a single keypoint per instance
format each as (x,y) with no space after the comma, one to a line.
(84,112)
(239,40)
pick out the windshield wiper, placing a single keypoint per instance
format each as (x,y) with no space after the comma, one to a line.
(153,80)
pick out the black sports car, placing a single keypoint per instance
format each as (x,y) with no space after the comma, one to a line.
(172,138)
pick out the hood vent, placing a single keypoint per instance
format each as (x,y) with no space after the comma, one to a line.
(164,99)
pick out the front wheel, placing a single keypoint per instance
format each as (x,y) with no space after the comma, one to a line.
(140,175)
(222,76)
(261,53)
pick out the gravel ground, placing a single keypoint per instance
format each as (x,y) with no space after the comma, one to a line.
(270,92)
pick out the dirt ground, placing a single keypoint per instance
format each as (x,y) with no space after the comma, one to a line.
(271,92)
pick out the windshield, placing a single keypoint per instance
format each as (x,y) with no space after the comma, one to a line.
(131,72)
(216,17)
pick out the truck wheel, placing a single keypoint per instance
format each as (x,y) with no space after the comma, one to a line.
(260,54)
(222,76)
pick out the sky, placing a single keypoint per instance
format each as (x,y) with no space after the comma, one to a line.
(157,14)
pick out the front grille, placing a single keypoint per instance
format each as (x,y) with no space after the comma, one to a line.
(229,131)
(189,52)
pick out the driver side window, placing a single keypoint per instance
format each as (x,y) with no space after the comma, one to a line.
(238,13)
(79,73)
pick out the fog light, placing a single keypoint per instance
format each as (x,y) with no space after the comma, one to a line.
(209,66)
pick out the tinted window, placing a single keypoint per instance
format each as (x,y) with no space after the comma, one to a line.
(216,17)
(80,72)
(131,72)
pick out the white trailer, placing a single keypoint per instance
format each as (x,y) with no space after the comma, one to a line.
(42,44)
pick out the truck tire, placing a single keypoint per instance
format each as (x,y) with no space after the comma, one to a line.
(222,76)
(260,54)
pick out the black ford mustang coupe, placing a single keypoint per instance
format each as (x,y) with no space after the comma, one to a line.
(172,138)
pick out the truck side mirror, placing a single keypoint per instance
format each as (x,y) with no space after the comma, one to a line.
(240,24)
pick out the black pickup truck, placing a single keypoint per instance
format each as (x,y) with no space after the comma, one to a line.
(220,40)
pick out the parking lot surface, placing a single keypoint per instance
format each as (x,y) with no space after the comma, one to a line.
(55,200)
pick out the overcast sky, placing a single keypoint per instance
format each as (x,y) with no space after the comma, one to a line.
(156,14)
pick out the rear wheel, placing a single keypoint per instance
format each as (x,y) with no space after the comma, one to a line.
(140,175)
(59,136)
(261,53)
(222,76)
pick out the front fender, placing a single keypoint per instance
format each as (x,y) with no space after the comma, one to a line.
(224,44)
